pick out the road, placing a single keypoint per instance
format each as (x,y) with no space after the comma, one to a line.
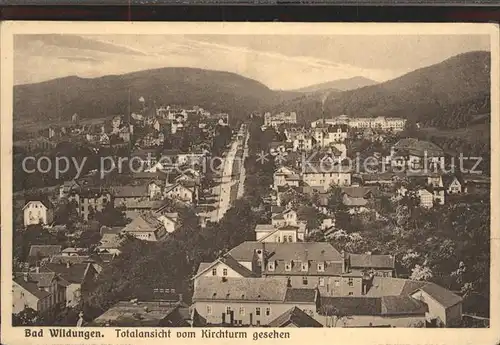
(229,186)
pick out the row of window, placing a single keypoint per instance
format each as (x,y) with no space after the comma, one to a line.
(304,266)
(242,310)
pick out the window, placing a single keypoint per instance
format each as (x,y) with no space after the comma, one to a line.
(268,311)
(350,293)
(242,311)
(290,239)
(285,239)
(321,267)
(224,272)
(321,281)
(214,271)
(258,323)
(209,310)
(288,266)
(228,309)
(257,311)
(351,282)
(305,266)
(271,266)
(304,280)
(337,283)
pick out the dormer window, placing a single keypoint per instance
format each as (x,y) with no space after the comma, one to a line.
(305,266)
(270,266)
(288,266)
(321,267)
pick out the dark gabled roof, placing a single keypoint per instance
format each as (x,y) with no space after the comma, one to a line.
(44,251)
(402,305)
(240,289)
(371,261)
(294,316)
(72,274)
(130,191)
(44,200)
(443,296)
(352,305)
(236,266)
(32,283)
(359,192)
(300,295)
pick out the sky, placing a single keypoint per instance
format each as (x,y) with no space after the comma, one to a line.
(283,62)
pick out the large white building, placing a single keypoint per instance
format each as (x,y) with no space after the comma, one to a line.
(280,118)
(395,124)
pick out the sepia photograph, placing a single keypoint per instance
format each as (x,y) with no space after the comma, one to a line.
(220,180)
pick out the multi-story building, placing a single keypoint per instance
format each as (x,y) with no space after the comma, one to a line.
(76,277)
(38,211)
(280,118)
(38,291)
(247,302)
(382,123)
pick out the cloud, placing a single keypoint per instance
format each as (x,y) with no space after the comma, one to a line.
(74,41)
(80,59)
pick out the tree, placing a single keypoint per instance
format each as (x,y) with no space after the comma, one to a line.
(111,216)
(26,317)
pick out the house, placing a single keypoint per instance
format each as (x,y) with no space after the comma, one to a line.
(135,313)
(78,279)
(285,176)
(92,258)
(67,188)
(294,317)
(358,198)
(380,265)
(170,221)
(182,191)
(126,195)
(280,118)
(330,134)
(38,291)
(429,197)
(42,252)
(302,265)
(224,267)
(283,233)
(394,124)
(249,301)
(110,244)
(454,185)
(286,217)
(387,311)
(444,308)
(155,189)
(326,175)
(91,200)
(146,227)
(38,211)
(416,154)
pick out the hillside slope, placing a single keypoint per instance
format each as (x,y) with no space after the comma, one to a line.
(446,95)
(98,97)
(339,85)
